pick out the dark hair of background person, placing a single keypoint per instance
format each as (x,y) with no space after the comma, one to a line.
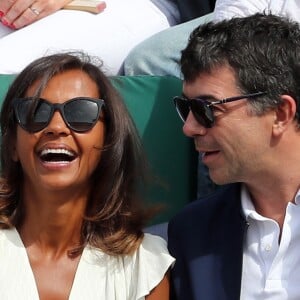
(262,50)
(114,215)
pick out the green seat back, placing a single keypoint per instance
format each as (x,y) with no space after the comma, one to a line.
(170,153)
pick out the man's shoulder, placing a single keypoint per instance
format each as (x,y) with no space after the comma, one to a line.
(219,204)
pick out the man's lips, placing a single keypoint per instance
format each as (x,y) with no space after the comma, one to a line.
(205,149)
(206,153)
(207,156)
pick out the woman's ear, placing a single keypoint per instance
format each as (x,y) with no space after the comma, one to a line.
(284,114)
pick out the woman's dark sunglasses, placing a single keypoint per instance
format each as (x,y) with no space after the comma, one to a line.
(80,114)
(203,109)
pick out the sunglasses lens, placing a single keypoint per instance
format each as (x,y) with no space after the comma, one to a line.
(82,114)
(182,107)
(202,113)
(33,115)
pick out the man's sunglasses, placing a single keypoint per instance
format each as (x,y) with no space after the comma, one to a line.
(203,109)
(80,114)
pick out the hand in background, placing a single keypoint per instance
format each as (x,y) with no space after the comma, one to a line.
(19,13)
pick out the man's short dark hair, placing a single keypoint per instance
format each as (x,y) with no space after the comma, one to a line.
(262,50)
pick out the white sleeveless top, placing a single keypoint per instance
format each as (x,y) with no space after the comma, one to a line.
(98,276)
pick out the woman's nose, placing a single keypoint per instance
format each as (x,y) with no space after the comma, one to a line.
(57,125)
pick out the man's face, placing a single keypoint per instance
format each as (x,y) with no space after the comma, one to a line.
(236,147)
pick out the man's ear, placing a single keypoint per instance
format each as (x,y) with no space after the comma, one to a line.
(284,114)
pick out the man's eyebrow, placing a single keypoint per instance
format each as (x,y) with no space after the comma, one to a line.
(203,97)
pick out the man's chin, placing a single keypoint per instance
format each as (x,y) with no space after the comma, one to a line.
(219,179)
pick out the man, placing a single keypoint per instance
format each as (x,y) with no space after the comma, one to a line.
(159,54)
(240,104)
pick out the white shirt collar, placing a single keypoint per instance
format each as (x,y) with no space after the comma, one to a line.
(249,209)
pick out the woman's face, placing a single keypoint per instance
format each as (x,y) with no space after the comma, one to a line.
(56,157)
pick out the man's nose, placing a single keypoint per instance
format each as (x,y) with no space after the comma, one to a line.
(192,127)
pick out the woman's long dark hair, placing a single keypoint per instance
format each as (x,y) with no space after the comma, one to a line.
(114,216)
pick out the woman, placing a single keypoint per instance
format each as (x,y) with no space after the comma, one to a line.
(71,224)
(31,28)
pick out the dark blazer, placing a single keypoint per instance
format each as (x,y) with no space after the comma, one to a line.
(206,238)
